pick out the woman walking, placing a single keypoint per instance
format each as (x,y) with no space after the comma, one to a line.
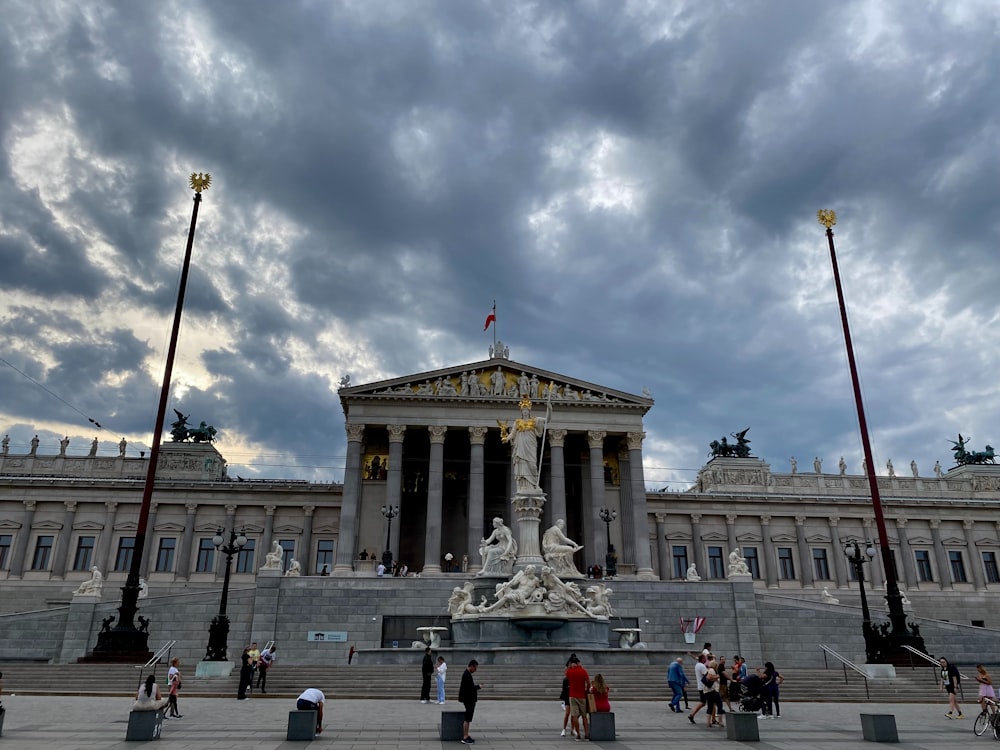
(174,679)
(985,685)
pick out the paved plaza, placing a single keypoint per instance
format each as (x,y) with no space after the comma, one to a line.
(72,722)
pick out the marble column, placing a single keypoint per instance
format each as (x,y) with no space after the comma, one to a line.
(975,559)
(662,548)
(62,544)
(435,486)
(150,541)
(805,554)
(596,538)
(876,574)
(697,554)
(906,555)
(184,553)
(627,514)
(103,555)
(267,537)
(839,561)
(477,490)
(346,541)
(767,559)
(21,546)
(394,478)
(557,494)
(943,565)
(305,556)
(731,534)
(640,518)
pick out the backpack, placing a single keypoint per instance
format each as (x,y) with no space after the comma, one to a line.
(706,681)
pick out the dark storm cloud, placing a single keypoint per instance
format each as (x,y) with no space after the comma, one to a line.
(635,185)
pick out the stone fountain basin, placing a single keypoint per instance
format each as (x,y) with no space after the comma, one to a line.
(538,623)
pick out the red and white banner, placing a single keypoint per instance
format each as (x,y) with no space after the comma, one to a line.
(491,318)
(691,624)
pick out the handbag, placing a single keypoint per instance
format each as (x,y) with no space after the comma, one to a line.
(591,704)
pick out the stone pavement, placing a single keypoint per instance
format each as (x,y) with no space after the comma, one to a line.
(259,723)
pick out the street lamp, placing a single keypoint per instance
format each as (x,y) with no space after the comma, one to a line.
(611,559)
(389,512)
(218,631)
(857,558)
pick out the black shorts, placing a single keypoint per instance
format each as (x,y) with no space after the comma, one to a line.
(950,689)
(470,710)
(304,705)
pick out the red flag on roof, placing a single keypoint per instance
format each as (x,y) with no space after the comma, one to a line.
(491,318)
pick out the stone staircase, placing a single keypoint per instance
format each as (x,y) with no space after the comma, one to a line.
(501,682)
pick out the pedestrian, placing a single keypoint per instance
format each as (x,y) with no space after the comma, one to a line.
(264,664)
(174,680)
(246,674)
(426,670)
(676,679)
(600,690)
(148,698)
(772,706)
(440,672)
(312,699)
(951,680)
(985,685)
(468,694)
(713,698)
(724,678)
(254,659)
(579,684)
(564,698)
(380,570)
(350,654)
(700,670)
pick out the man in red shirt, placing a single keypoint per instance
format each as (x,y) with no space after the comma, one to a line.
(579,684)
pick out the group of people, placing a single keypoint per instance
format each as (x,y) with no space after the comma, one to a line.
(254,665)
(439,671)
(399,570)
(720,684)
(468,689)
(580,697)
(951,683)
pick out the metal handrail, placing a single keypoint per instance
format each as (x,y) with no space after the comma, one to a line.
(936,664)
(846,663)
(164,649)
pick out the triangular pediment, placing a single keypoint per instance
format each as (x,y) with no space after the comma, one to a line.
(47,525)
(783,538)
(88,526)
(495,379)
(714,536)
(817,539)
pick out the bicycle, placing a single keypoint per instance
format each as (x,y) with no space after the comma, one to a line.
(987,718)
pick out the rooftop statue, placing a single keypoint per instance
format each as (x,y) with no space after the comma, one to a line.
(725,448)
(965,458)
(180,432)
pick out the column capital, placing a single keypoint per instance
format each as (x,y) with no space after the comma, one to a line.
(867,522)
(901,522)
(437,433)
(192,508)
(557,438)
(834,520)
(32,504)
(269,510)
(731,518)
(696,518)
(308,510)
(70,505)
(477,435)
(153,507)
(231,509)
(935,523)
(765,519)
(355,432)
(396,432)
(595,438)
(660,517)
(967,524)
(634,440)
(800,520)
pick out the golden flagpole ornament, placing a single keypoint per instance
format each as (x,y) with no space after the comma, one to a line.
(826,217)
(200,181)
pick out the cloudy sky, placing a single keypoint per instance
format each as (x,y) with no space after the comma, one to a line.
(635,183)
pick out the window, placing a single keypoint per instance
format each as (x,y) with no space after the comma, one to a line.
(5,541)
(716,567)
(750,555)
(126,547)
(244,560)
(84,557)
(924,572)
(206,556)
(165,554)
(680,553)
(324,555)
(989,562)
(43,551)
(957,566)
(821,567)
(288,552)
(786,565)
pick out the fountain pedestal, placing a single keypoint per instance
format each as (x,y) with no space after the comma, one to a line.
(528,506)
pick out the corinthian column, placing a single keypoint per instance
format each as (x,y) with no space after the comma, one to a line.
(346,542)
(557,440)
(640,518)
(62,545)
(435,486)
(477,489)
(394,477)
(596,537)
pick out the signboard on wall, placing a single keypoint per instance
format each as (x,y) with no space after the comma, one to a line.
(327,636)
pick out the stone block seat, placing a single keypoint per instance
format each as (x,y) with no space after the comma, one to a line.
(144,726)
(302,725)
(602,726)
(451,725)
(879,727)
(742,727)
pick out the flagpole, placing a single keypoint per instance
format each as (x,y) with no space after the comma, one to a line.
(494,327)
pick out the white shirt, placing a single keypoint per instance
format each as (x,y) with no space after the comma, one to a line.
(313,695)
(380,570)
(700,670)
(442,670)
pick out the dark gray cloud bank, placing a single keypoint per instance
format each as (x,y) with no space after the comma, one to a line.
(635,184)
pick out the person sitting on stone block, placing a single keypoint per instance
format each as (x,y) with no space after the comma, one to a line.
(148,698)
(312,699)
